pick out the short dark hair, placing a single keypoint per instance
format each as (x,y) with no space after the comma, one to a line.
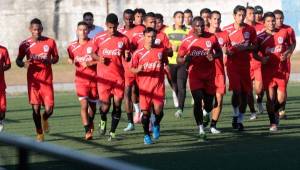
(215,12)
(88,14)
(258,9)
(149,29)
(198,18)
(35,21)
(205,10)
(159,16)
(149,14)
(250,8)
(139,10)
(239,8)
(188,11)
(278,11)
(112,18)
(268,14)
(128,11)
(82,23)
(177,12)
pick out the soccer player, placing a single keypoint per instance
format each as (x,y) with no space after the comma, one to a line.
(112,49)
(205,14)
(198,52)
(279,19)
(88,17)
(4,66)
(80,53)
(258,11)
(139,14)
(223,39)
(275,45)
(176,33)
(255,67)
(41,53)
(160,26)
(148,64)
(188,18)
(243,40)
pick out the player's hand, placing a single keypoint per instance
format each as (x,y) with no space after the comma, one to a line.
(284,56)
(127,55)
(264,60)
(19,63)
(104,60)
(188,59)
(84,64)
(209,56)
(174,48)
(27,63)
(140,68)
(70,61)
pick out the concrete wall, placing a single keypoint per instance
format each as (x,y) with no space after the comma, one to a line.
(60,17)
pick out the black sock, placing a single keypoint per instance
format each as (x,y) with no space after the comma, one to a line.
(86,128)
(213,123)
(145,122)
(115,120)
(158,118)
(37,122)
(272,118)
(130,117)
(91,119)
(103,115)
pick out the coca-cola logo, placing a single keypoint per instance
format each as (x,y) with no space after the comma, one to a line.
(276,49)
(42,56)
(195,53)
(152,65)
(80,59)
(115,52)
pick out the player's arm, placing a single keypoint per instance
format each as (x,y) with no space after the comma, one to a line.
(55,56)
(183,55)
(21,56)
(6,65)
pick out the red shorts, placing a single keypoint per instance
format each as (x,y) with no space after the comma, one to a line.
(239,80)
(129,80)
(41,94)
(255,74)
(107,89)
(2,102)
(278,80)
(154,96)
(208,85)
(87,91)
(220,84)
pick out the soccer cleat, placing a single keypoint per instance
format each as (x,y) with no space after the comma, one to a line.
(40,137)
(147,140)
(260,108)
(89,135)
(111,136)
(137,118)
(1,125)
(130,127)
(202,136)
(175,99)
(206,120)
(156,132)
(253,116)
(234,122)
(214,130)
(102,127)
(273,128)
(240,127)
(45,125)
(178,113)
(282,114)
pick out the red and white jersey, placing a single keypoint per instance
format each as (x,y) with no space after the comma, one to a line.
(291,33)
(161,41)
(224,41)
(39,53)
(4,60)
(244,36)
(129,33)
(198,48)
(274,46)
(112,48)
(81,53)
(153,62)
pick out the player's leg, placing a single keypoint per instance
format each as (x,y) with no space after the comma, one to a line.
(271,102)
(84,117)
(129,108)
(235,102)
(47,113)
(47,95)
(208,107)
(198,96)
(242,109)
(2,109)
(258,87)
(250,101)
(115,115)
(173,70)
(181,88)
(216,113)
(36,115)
(281,96)
(135,99)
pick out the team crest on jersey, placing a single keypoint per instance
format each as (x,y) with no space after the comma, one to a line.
(280,40)
(157,41)
(220,40)
(208,44)
(159,55)
(46,48)
(246,35)
(89,50)
(120,44)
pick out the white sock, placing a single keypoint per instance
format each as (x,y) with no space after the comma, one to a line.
(236,111)
(136,107)
(175,99)
(240,118)
(204,112)
(201,129)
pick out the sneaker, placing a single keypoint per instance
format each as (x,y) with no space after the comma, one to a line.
(137,118)
(111,136)
(282,114)
(175,99)
(130,127)
(178,113)
(214,130)
(206,120)
(202,137)
(253,116)
(102,127)
(89,135)
(260,108)
(156,132)
(234,122)
(240,127)
(147,140)
(273,128)
(45,125)
(40,137)
(1,125)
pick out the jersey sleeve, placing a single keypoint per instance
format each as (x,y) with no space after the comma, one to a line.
(253,36)
(292,36)
(182,50)
(6,57)
(134,60)
(22,50)
(70,53)
(54,51)
(166,42)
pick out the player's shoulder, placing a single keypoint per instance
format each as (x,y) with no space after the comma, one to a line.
(26,42)
(100,35)
(2,48)
(228,27)
(139,51)
(73,44)
(188,39)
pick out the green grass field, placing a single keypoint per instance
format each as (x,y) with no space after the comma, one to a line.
(177,148)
